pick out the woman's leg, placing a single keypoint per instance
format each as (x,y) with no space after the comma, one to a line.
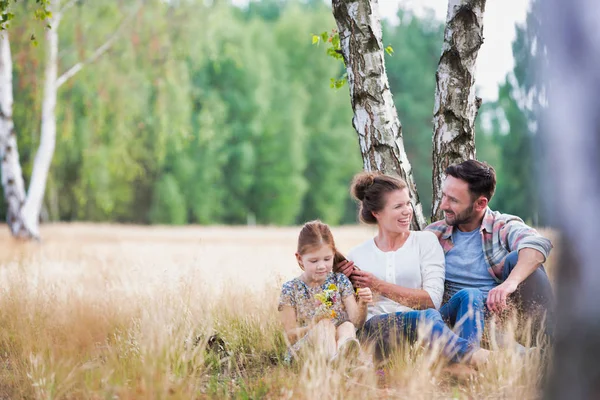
(464,312)
(406,327)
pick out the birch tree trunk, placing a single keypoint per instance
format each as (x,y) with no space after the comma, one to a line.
(43,158)
(30,212)
(572,137)
(456,106)
(12,176)
(375,117)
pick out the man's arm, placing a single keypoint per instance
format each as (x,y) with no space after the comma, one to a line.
(516,235)
(529,260)
(533,250)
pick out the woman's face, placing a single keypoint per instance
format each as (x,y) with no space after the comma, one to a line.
(397,213)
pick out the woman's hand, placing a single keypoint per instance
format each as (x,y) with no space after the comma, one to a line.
(363,279)
(346,267)
(365,296)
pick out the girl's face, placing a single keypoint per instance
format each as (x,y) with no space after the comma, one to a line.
(317,264)
(397,212)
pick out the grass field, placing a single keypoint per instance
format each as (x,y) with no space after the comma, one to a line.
(119,312)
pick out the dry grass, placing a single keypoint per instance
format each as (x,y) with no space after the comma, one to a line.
(100,311)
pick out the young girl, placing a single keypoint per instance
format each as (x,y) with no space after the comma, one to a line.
(318,309)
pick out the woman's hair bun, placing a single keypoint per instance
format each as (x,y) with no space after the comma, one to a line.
(361,183)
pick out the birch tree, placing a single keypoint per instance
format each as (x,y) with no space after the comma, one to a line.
(30,212)
(456,105)
(12,176)
(375,117)
(572,138)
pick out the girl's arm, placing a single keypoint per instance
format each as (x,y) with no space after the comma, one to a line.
(357,311)
(290,326)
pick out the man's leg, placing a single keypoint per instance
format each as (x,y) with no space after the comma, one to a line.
(464,312)
(534,297)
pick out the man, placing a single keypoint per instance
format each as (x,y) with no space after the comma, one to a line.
(496,253)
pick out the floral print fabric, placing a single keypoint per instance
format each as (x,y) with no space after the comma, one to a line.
(300,296)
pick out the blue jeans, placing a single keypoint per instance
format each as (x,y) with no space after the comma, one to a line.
(465,313)
(534,297)
(387,330)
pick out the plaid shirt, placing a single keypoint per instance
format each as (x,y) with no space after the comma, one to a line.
(500,234)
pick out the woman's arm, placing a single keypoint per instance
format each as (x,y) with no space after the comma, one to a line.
(290,326)
(418,299)
(433,268)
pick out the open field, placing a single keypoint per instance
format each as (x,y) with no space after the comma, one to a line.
(101,311)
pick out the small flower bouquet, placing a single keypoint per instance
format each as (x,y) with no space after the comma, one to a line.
(325,301)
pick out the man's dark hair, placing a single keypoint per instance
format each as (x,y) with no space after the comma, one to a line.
(480,176)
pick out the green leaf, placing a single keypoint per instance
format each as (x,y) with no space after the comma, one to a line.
(335,54)
(338,83)
(315,39)
(335,41)
(324,36)
(389,50)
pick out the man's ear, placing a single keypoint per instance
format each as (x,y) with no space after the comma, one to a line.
(299,259)
(481,203)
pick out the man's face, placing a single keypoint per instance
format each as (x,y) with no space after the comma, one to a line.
(457,205)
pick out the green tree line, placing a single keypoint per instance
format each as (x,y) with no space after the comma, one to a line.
(206,113)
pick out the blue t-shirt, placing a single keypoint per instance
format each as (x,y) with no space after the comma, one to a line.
(466,266)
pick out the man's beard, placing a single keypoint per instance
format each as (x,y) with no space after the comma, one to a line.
(462,218)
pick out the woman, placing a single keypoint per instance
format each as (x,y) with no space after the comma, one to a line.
(405,269)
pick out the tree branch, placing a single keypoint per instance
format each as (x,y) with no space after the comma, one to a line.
(68,5)
(97,53)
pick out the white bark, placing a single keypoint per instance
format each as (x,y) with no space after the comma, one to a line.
(571,130)
(456,106)
(375,117)
(96,54)
(43,158)
(12,176)
(32,208)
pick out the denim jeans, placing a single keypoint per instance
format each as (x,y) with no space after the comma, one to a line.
(534,297)
(465,313)
(387,330)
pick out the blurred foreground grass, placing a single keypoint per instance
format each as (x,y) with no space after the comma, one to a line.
(101,311)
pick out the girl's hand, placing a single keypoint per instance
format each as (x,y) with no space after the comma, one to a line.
(365,296)
(319,316)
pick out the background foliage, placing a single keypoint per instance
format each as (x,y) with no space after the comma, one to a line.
(206,113)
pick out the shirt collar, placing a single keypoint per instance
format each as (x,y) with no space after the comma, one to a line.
(488,221)
(448,233)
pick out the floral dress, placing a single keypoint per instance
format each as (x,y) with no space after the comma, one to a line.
(301,297)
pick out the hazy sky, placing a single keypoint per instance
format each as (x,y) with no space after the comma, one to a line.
(495,56)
